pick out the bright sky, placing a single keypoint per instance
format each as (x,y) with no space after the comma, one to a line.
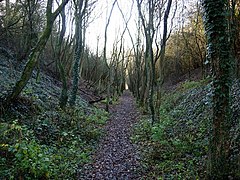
(97,27)
(116,26)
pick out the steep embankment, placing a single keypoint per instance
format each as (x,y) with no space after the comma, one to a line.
(38,140)
(176,147)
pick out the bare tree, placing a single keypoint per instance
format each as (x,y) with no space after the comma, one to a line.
(149,31)
(59,59)
(30,19)
(80,12)
(35,53)
(105,55)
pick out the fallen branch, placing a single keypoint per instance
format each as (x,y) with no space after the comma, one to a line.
(97,100)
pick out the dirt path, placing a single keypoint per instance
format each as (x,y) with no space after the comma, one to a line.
(116,157)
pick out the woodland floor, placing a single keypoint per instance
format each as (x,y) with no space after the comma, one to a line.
(116,156)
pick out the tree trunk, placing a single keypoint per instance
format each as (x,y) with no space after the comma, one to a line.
(105,57)
(77,58)
(34,55)
(216,25)
(64,96)
(80,8)
(162,58)
(148,81)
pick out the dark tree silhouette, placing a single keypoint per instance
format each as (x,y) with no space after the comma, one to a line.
(35,53)
(216,25)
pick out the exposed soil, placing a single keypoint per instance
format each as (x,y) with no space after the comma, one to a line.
(116,156)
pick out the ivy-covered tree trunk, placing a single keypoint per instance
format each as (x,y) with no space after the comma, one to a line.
(64,96)
(216,25)
(35,53)
(80,8)
(77,58)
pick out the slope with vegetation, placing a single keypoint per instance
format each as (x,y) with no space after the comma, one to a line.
(39,140)
(177,146)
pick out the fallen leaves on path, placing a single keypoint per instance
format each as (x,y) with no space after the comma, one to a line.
(116,156)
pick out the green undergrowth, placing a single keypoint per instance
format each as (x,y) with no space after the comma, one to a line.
(52,145)
(113,100)
(38,140)
(176,146)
